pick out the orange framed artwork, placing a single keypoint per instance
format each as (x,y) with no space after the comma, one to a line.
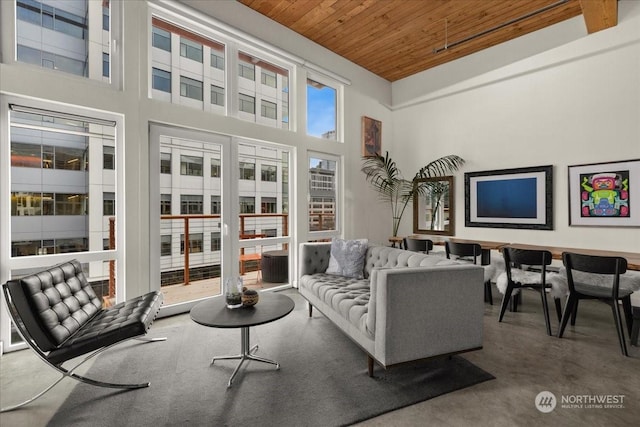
(371,137)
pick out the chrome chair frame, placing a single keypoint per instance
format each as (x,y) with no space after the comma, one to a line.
(66,373)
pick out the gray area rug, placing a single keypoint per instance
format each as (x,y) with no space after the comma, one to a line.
(322,381)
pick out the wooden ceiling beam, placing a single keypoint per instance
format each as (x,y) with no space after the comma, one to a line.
(599,14)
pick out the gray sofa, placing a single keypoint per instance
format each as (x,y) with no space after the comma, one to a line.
(409,306)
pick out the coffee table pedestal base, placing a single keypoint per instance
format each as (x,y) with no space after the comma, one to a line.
(247,353)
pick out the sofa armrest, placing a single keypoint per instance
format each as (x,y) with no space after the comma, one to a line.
(423,312)
(313,257)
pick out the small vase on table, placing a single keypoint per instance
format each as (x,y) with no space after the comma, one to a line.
(233,292)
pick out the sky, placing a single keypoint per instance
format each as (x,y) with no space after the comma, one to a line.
(321,110)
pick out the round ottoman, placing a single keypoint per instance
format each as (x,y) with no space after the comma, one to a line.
(275,266)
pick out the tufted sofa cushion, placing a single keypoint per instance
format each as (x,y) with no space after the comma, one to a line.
(316,259)
(387,257)
(347,296)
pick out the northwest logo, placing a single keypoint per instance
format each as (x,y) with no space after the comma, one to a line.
(546,401)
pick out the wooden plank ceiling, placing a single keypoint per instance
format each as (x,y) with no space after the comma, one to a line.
(397,38)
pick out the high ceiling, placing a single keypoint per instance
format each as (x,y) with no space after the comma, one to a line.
(397,38)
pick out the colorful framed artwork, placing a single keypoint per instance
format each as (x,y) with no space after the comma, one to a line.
(371,137)
(510,198)
(605,194)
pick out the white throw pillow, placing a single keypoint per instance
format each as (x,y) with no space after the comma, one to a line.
(347,257)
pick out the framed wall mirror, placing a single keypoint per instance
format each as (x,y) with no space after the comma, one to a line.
(433,206)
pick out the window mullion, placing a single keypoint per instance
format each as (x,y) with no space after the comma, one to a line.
(231,73)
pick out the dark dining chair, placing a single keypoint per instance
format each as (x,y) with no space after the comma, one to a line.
(418,245)
(517,278)
(607,290)
(471,252)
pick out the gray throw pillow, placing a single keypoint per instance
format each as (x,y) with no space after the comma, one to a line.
(347,257)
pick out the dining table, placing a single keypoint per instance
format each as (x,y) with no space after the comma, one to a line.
(486,246)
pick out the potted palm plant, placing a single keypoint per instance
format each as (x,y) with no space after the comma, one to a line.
(395,190)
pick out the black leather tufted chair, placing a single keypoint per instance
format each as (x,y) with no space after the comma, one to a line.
(60,317)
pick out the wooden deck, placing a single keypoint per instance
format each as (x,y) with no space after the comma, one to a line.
(199,289)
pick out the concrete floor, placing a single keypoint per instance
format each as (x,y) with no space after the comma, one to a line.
(586,364)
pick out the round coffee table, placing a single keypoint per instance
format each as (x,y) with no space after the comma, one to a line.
(214,313)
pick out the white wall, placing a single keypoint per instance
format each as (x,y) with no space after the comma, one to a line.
(572,104)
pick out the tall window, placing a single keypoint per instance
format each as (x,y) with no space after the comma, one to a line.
(270,195)
(321,110)
(51,178)
(322,193)
(57,35)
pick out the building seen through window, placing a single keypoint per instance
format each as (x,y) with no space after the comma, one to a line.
(322,194)
(57,35)
(52,181)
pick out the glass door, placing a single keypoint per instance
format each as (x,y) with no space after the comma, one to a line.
(263,192)
(190,177)
(220,207)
